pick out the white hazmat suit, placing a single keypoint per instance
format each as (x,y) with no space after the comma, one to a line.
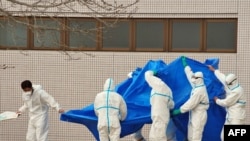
(196,105)
(110,108)
(161,101)
(37,103)
(171,133)
(234,101)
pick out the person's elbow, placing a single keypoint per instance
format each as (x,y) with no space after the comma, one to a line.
(123,116)
(171,106)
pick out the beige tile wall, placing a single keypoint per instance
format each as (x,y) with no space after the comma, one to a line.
(73,83)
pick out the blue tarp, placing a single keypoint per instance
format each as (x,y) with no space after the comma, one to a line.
(136,93)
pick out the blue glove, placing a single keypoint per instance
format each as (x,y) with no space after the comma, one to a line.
(176,112)
(184,63)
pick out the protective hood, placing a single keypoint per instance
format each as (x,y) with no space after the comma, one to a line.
(109,85)
(198,74)
(36,87)
(231,81)
(197,78)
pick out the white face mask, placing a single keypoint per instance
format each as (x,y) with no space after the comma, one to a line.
(26,95)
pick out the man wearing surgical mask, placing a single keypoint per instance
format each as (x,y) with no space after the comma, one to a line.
(234,102)
(197,105)
(37,103)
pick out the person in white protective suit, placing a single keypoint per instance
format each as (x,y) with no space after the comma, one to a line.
(197,105)
(234,102)
(161,101)
(170,132)
(110,108)
(37,101)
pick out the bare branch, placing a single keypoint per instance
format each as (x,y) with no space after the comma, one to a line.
(4,66)
(34,11)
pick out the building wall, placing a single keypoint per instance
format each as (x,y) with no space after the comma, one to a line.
(75,78)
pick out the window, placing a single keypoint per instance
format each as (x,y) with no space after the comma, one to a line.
(133,35)
(47,33)
(150,38)
(82,34)
(13,34)
(203,35)
(186,35)
(117,36)
(221,35)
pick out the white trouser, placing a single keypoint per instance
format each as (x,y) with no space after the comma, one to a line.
(196,125)
(158,130)
(38,130)
(112,135)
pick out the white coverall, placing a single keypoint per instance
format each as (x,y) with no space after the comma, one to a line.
(38,106)
(161,101)
(171,132)
(234,101)
(110,108)
(197,105)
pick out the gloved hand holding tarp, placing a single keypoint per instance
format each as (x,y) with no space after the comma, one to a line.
(8,115)
(136,93)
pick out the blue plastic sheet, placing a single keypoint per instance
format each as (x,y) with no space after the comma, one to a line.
(136,93)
